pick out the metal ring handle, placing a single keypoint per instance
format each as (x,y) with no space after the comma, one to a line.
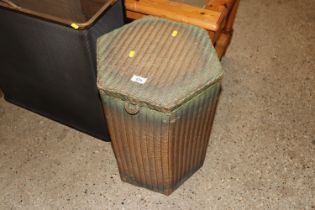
(131,108)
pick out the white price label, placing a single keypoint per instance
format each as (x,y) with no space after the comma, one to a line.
(139,79)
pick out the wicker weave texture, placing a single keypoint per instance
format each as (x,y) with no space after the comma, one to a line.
(160,151)
(159,81)
(175,60)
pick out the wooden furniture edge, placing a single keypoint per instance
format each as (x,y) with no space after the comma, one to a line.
(204,18)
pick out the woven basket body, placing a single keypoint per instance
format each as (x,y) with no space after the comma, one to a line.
(159,82)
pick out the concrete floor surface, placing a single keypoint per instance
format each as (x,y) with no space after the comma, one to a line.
(262,151)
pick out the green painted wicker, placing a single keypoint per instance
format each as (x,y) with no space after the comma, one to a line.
(159,82)
(176,68)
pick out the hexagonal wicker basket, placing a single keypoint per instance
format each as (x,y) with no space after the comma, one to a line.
(159,82)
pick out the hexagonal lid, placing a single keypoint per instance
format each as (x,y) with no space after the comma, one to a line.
(156,62)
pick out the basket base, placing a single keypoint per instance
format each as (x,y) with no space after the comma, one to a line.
(166,189)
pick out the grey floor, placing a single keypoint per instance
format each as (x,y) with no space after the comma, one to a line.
(262,151)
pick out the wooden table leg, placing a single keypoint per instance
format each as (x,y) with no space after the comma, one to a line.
(231,17)
(224,38)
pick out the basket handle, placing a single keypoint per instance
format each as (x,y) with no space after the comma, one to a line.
(131,108)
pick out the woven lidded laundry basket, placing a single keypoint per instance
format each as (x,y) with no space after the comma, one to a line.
(159,82)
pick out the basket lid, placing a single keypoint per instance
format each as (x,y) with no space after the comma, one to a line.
(156,62)
(76,13)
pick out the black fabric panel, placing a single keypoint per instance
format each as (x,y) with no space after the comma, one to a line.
(50,68)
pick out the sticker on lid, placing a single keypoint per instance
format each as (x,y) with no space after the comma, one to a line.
(138,79)
(132,54)
(174,33)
